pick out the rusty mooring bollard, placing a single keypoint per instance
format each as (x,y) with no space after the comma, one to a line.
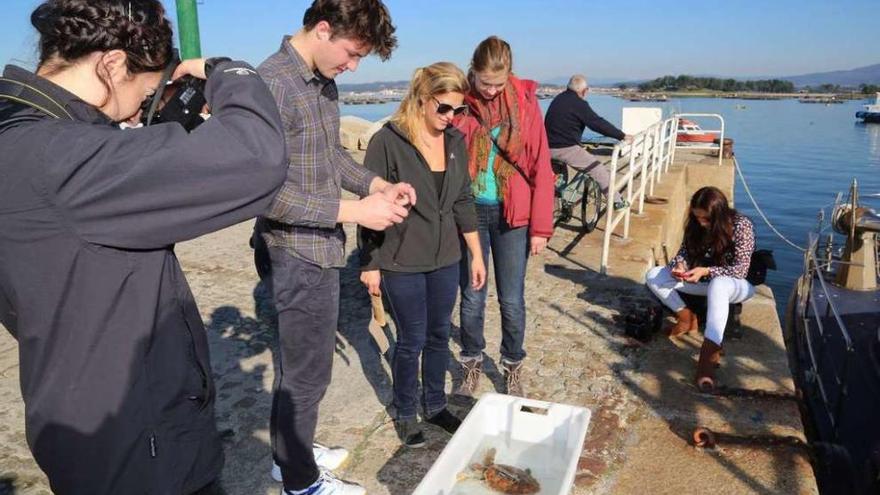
(728,147)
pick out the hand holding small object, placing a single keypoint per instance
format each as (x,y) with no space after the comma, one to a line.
(694,275)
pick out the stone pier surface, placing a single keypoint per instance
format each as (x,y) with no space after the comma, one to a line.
(644,406)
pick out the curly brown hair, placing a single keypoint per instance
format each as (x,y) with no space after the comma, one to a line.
(367,21)
(72,29)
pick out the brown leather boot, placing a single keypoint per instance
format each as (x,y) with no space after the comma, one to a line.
(686,321)
(710,356)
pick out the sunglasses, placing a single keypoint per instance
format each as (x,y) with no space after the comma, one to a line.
(444,108)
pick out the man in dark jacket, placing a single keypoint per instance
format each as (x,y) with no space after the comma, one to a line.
(568,115)
(115,372)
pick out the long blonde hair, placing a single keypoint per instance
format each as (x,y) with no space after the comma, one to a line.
(435,79)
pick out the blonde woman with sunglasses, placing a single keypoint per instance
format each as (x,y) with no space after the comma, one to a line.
(416,263)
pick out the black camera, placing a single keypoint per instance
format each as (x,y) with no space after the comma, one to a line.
(181,101)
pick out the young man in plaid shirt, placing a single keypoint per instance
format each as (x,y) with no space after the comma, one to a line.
(302,232)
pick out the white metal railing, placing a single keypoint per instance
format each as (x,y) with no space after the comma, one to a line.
(705,146)
(647,158)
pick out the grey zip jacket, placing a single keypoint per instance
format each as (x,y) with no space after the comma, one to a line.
(428,238)
(114,363)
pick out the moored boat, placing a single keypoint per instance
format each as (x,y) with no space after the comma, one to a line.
(690,132)
(871,113)
(832,336)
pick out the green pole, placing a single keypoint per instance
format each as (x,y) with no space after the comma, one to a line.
(188,29)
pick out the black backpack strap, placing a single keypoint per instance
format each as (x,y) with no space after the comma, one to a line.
(24,94)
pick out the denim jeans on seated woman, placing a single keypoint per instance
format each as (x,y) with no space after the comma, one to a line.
(421,305)
(510,249)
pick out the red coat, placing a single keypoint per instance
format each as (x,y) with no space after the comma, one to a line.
(522,204)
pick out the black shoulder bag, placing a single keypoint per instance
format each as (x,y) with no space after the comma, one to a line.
(762,260)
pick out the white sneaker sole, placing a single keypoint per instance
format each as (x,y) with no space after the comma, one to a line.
(276,470)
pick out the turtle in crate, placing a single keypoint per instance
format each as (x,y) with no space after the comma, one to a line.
(502,477)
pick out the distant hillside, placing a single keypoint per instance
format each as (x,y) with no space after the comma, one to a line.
(373,86)
(688,83)
(853,78)
(848,78)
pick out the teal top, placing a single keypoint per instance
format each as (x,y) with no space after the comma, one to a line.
(486,186)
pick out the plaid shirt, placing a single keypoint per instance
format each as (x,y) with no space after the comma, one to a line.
(302,218)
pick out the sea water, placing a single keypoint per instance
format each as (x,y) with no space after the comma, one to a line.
(547,465)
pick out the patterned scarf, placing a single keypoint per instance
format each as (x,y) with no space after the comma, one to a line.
(503,111)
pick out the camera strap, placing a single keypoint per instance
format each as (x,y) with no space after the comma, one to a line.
(150,112)
(30,96)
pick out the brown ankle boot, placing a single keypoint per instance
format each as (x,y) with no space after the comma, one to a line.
(686,321)
(710,356)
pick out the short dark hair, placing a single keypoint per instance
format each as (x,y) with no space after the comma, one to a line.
(72,29)
(367,21)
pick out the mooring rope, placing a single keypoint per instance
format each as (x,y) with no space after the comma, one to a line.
(758,208)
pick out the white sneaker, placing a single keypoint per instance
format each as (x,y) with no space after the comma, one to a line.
(328,484)
(327,459)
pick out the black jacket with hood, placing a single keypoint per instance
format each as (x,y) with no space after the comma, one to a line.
(429,237)
(115,372)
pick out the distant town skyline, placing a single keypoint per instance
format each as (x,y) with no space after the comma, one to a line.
(552,39)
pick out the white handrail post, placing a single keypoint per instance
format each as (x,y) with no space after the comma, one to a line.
(645,158)
(661,129)
(609,210)
(656,147)
(674,138)
(632,165)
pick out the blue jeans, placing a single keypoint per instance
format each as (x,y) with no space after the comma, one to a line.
(510,250)
(421,305)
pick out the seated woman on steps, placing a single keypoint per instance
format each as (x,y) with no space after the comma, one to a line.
(713,261)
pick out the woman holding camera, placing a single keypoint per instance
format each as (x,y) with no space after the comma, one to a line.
(713,261)
(416,262)
(114,363)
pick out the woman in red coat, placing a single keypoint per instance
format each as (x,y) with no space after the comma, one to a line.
(509,163)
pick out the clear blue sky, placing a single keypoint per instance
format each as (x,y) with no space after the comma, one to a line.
(555,38)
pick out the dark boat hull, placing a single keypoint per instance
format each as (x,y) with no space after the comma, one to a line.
(871,117)
(838,374)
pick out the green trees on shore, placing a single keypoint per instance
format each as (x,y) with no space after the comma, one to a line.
(685,83)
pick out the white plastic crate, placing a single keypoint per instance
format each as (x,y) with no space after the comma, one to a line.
(545,437)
